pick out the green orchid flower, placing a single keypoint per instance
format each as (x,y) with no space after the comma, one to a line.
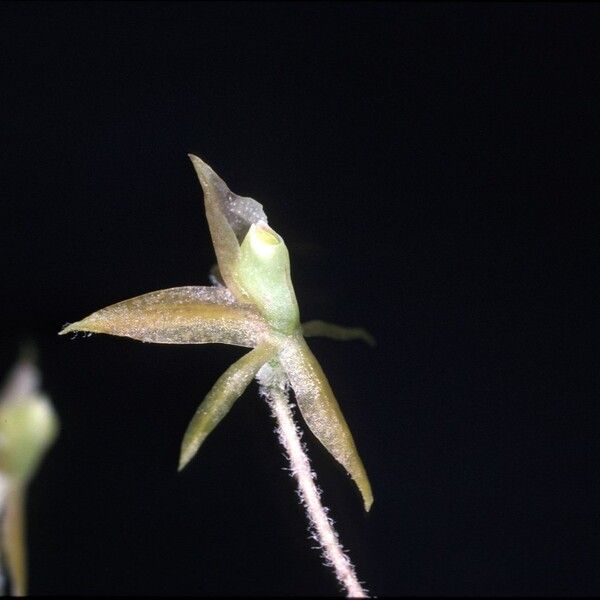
(28,427)
(253,305)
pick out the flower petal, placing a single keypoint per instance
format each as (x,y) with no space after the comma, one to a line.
(228,388)
(182,315)
(321,411)
(336,332)
(229,217)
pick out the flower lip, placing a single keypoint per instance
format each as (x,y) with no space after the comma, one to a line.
(264,240)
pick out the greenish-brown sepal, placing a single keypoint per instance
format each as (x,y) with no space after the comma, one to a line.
(182,315)
(321,411)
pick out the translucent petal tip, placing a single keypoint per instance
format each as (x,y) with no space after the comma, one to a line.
(184,459)
(202,169)
(84,325)
(68,328)
(188,451)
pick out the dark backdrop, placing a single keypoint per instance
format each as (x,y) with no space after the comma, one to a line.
(432,168)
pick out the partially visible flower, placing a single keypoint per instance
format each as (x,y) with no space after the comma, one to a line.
(28,427)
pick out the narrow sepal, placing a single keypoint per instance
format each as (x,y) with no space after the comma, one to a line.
(321,411)
(336,332)
(217,403)
(229,217)
(182,315)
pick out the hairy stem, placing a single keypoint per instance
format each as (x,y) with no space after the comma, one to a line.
(274,387)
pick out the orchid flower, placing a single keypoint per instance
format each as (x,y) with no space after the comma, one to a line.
(28,427)
(253,305)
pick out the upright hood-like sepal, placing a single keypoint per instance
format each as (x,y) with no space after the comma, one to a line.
(229,218)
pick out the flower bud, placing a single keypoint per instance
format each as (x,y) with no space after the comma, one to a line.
(28,426)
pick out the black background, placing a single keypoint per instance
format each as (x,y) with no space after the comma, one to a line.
(433,169)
